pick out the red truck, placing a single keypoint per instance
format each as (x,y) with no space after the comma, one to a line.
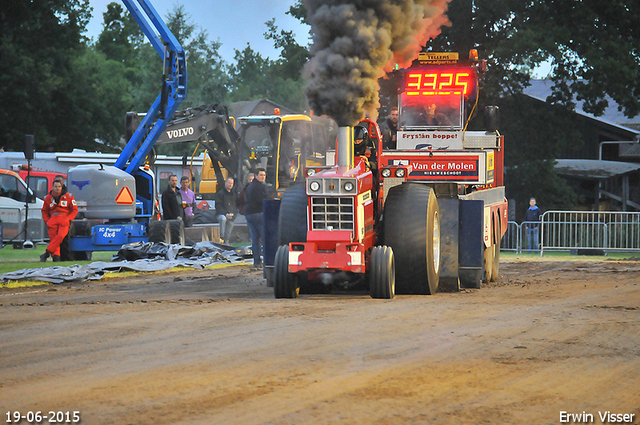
(40,182)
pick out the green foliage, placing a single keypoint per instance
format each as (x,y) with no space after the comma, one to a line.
(120,36)
(299,11)
(534,130)
(254,77)
(591,40)
(539,179)
(99,82)
(207,77)
(292,56)
(72,94)
(40,42)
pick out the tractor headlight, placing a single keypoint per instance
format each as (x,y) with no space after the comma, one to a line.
(400,172)
(314,186)
(386,172)
(311,172)
(349,186)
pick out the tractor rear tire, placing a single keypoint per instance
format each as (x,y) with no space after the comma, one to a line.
(412,230)
(177,232)
(159,231)
(285,284)
(382,273)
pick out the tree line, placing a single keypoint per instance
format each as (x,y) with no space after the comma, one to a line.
(72,92)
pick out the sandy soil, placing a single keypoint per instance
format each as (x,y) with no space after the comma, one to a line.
(215,347)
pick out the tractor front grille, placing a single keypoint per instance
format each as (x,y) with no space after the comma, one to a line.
(332,213)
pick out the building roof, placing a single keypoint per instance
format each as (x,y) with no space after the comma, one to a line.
(593,168)
(541,89)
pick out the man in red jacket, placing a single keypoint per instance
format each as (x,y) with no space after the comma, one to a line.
(58,212)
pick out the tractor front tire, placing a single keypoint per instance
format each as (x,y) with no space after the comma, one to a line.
(285,284)
(292,221)
(382,273)
(292,227)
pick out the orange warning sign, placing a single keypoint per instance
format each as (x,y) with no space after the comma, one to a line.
(124,197)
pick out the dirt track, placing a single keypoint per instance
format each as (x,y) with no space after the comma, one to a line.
(215,347)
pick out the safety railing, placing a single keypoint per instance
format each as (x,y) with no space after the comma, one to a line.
(574,230)
(13,225)
(511,239)
(605,230)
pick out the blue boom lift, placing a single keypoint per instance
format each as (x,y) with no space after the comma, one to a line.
(117,202)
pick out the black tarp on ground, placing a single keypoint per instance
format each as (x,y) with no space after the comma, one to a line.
(138,257)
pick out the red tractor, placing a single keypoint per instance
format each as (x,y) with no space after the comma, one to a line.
(428,214)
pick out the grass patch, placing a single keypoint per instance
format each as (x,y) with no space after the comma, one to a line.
(18,259)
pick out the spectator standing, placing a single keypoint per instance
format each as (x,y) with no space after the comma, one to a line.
(226,209)
(256,193)
(532,217)
(242,196)
(389,129)
(172,200)
(188,201)
(58,212)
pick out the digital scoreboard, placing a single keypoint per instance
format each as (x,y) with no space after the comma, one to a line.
(439,82)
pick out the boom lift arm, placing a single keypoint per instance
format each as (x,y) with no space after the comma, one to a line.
(121,198)
(174,85)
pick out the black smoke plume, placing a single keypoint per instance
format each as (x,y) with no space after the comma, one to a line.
(355,42)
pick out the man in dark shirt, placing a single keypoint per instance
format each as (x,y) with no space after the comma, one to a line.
(389,129)
(256,193)
(226,209)
(172,201)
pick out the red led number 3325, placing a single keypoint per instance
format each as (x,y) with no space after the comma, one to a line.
(439,83)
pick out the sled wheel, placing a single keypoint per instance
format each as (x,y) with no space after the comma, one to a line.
(495,266)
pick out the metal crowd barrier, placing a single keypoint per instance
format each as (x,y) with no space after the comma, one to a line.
(574,230)
(511,239)
(605,230)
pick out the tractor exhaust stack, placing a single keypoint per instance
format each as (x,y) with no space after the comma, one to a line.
(345,147)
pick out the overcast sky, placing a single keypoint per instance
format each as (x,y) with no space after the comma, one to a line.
(233,22)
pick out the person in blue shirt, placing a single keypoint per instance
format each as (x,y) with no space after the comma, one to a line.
(531,218)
